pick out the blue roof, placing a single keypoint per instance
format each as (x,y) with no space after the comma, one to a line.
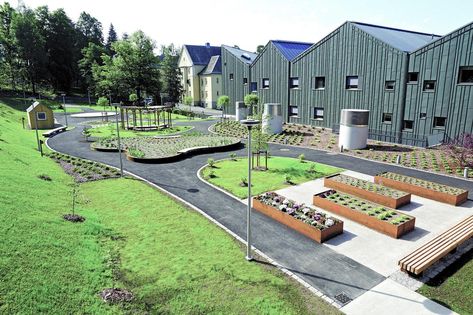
(243,55)
(400,39)
(291,50)
(200,55)
(214,66)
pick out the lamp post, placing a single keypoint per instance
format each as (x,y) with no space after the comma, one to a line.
(118,136)
(64,106)
(249,123)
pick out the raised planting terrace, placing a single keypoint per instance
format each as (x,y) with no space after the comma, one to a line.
(155,150)
(372,215)
(110,130)
(423,188)
(368,190)
(306,220)
(232,174)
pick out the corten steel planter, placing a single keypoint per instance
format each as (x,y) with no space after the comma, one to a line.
(311,232)
(423,191)
(373,196)
(360,217)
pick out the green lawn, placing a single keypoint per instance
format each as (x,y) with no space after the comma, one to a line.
(228,174)
(453,287)
(170,257)
(110,130)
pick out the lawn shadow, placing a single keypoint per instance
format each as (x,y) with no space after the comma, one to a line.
(415,235)
(439,279)
(341,238)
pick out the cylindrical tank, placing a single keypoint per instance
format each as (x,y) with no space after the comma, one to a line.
(353,129)
(241,111)
(272,118)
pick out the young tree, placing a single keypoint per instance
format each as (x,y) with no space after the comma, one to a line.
(222,103)
(171,74)
(251,101)
(188,100)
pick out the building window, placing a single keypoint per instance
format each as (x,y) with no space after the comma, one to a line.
(202,81)
(294,83)
(188,82)
(231,76)
(318,113)
(254,86)
(412,77)
(389,85)
(387,118)
(245,81)
(408,125)
(293,110)
(217,95)
(429,85)
(352,83)
(41,115)
(319,83)
(465,75)
(217,81)
(439,122)
(423,115)
(265,83)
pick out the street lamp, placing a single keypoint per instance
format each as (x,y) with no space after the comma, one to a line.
(249,123)
(118,136)
(64,106)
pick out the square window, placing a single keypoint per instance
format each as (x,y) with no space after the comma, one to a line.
(293,110)
(429,85)
(41,115)
(439,122)
(231,76)
(412,77)
(408,125)
(389,85)
(254,86)
(265,83)
(319,83)
(318,113)
(294,83)
(465,75)
(387,118)
(352,83)
(245,81)
(423,115)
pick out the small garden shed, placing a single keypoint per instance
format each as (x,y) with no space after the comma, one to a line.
(40,114)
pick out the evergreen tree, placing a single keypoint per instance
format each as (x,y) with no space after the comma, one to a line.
(111,38)
(7,43)
(171,74)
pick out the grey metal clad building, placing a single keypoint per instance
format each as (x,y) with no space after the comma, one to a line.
(270,72)
(236,73)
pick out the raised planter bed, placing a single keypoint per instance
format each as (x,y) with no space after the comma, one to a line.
(314,224)
(379,218)
(367,190)
(431,190)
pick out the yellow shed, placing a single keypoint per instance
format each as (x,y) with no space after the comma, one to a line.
(41,114)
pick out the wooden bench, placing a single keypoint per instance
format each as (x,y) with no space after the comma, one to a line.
(426,255)
(54,131)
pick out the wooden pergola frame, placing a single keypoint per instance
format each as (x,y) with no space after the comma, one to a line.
(137,112)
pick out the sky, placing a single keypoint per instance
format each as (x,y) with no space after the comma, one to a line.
(249,23)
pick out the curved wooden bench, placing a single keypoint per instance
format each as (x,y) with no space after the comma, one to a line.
(426,255)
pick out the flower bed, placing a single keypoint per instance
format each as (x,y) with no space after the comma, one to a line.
(306,220)
(443,193)
(377,193)
(374,216)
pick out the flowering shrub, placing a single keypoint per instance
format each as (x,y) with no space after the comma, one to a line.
(299,211)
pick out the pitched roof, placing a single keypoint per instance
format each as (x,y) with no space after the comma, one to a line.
(200,55)
(291,50)
(243,55)
(32,106)
(214,66)
(400,39)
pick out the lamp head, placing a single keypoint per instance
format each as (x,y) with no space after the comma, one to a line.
(249,123)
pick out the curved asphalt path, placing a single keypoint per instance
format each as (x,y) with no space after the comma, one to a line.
(323,268)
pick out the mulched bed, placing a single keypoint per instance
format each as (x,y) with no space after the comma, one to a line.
(74,218)
(116,295)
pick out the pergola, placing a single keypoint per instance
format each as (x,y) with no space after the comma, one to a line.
(157,117)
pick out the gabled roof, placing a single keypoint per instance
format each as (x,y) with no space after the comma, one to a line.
(289,49)
(243,55)
(403,40)
(200,55)
(32,106)
(214,66)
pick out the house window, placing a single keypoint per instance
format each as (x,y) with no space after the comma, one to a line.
(319,83)
(389,85)
(231,76)
(352,83)
(465,75)
(423,115)
(41,115)
(387,118)
(408,125)
(188,82)
(439,122)
(319,113)
(293,110)
(254,86)
(412,77)
(429,85)
(294,83)
(245,81)
(217,81)
(266,83)
(202,81)
(217,95)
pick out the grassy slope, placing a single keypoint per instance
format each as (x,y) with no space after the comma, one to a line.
(173,259)
(107,131)
(229,173)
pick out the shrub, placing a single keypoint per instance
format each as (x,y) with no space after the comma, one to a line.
(102,101)
(233,156)
(301,158)
(311,169)
(45,177)
(211,162)
(287,179)
(212,174)
(244,181)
